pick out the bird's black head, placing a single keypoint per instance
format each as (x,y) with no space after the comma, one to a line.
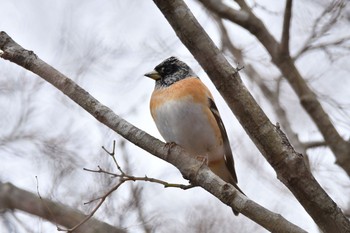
(170,71)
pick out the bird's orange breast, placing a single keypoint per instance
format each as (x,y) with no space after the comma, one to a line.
(189,87)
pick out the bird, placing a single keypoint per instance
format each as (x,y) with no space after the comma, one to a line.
(185,113)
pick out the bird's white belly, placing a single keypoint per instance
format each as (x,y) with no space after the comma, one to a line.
(185,123)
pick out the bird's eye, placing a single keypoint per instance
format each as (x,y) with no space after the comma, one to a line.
(167,70)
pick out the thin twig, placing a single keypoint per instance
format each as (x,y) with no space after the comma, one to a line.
(317,31)
(123,177)
(312,145)
(112,154)
(100,170)
(102,199)
(44,203)
(145,178)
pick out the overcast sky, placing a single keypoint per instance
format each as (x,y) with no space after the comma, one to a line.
(106,46)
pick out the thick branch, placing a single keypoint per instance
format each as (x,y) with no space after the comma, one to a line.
(272,143)
(189,167)
(15,198)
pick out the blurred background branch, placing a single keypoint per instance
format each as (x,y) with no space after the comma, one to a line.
(44,134)
(14,198)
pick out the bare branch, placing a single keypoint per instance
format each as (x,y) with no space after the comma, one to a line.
(257,5)
(191,169)
(126,177)
(89,216)
(315,144)
(310,46)
(244,6)
(286,28)
(112,154)
(12,197)
(321,28)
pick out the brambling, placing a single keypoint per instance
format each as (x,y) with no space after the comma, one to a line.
(185,113)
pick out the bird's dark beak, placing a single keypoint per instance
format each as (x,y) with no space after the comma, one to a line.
(153,75)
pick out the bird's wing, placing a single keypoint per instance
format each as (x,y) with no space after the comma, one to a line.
(228,152)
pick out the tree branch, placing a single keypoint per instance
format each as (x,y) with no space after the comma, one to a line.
(315,144)
(286,28)
(270,140)
(309,46)
(321,28)
(190,168)
(125,177)
(12,197)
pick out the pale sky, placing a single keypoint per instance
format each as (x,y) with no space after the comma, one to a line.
(106,46)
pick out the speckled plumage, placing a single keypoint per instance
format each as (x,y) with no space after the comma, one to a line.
(185,113)
(172,70)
